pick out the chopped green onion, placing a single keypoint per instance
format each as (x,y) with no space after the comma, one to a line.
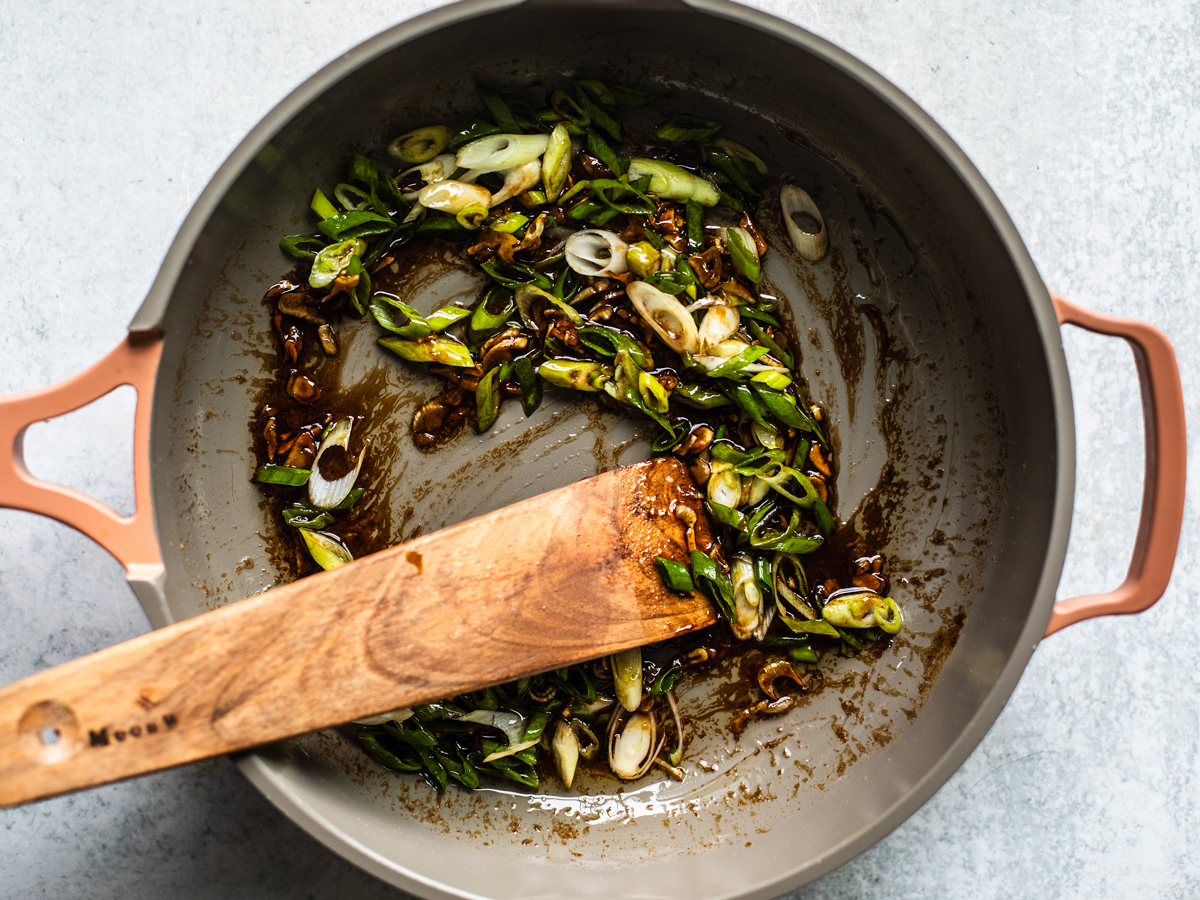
(380,184)
(741,152)
(492,312)
(802,626)
(516,275)
(439,350)
(709,578)
(443,318)
(487,400)
(561,103)
(352,498)
(785,408)
(599,90)
(627,96)
(734,365)
(611,194)
(745,257)
(471,217)
(531,388)
(384,757)
(306,517)
(351,197)
(578,376)
(761,336)
(421,145)
(357,223)
(577,188)
(288,475)
(501,114)
(596,114)
(671,182)
(333,260)
(695,226)
(321,206)
(409,324)
(294,245)
(600,149)
(684,127)
(700,397)
(509,223)
(758,314)
(444,227)
(609,342)
(675,575)
(477,128)
(327,549)
(360,294)
(730,170)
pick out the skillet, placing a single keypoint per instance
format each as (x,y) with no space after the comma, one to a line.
(1043,497)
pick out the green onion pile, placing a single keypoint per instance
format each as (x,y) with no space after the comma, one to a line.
(627,269)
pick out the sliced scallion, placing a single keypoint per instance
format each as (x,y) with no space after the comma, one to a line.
(487,400)
(288,475)
(420,145)
(321,206)
(327,549)
(440,350)
(675,575)
(684,127)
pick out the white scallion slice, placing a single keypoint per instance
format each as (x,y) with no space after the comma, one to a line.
(718,324)
(565,748)
(509,751)
(740,151)
(437,169)
(453,196)
(632,746)
(795,202)
(670,182)
(327,549)
(666,315)
(325,494)
(556,164)
(518,180)
(498,152)
(511,723)
(596,252)
(627,677)
(528,294)
(753,616)
(396,715)
(724,485)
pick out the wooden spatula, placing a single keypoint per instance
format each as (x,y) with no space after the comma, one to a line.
(565,577)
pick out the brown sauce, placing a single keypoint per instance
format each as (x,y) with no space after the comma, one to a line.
(377,396)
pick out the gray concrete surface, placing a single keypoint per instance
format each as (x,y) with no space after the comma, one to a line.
(1085,118)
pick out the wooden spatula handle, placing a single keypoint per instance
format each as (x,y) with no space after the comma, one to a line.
(561,578)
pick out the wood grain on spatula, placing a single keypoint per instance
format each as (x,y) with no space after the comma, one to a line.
(562,578)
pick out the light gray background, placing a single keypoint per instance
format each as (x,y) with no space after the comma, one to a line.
(1085,118)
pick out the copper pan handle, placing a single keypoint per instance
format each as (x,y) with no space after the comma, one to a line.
(1166,470)
(130,539)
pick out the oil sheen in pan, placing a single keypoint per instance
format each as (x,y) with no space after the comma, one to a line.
(871,345)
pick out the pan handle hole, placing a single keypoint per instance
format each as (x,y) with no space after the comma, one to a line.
(89,449)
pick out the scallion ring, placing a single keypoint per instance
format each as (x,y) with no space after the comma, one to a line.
(472,216)
(325,494)
(420,145)
(808,243)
